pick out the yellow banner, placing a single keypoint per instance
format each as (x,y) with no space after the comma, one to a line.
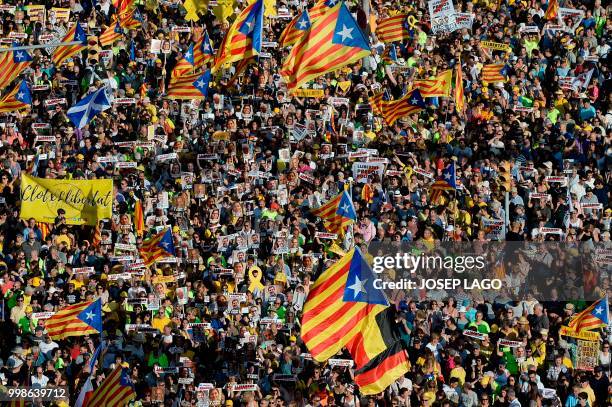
(584,335)
(36,13)
(59,14)
(308,93)
(85,202)
(498,46)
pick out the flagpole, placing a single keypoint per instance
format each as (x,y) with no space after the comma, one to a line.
(38,46)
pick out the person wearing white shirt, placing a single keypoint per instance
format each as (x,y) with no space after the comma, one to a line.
(39,380)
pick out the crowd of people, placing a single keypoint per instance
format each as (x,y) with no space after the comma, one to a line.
(220,323)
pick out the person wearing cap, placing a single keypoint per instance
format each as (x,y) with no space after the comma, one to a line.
(600,383)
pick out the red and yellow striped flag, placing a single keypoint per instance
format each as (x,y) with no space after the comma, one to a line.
(196,57)
(17,99)
(333,42)
(492,73)
(80,319)
(594,316)
(331,214)
(159,246)
(115,30)
(552,10)
(339,305)
(139,218)
(439,86)
(117,390)
(64,52)
(393,29)
(183,87)
(459,96)
(393,110)
(291,33)
(12,64)
(244,38)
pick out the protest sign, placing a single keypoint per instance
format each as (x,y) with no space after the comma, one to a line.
(85,202)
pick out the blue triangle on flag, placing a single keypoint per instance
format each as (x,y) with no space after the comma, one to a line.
(92,315)
(360,283)
(347,31)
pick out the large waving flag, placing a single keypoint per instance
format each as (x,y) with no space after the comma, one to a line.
(337,213)
(12,63)
(459,95)
(344,308)
(333,41)
(595,316)
(88,107)
(339,304)
(80,319)
(244,38)
(492,73)
(393,110)
(159,246)
(194,86)
(64,52)
(439,86)
(18,98)
(297,27)
(117,390)
(393,29)
(196,56)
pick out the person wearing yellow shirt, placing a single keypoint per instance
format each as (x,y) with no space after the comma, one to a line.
(538,350)
(458,371)
(585,387)
(160,320)
(561,103)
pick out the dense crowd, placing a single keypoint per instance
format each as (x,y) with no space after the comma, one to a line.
(253,160)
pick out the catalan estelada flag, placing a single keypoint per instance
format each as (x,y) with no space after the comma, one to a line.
(552,10)
(393,110)
(117,390)
(390,55)
(139,222)
(297,27)
(244,37)
(116,29)
(12,63)
(448,182)
(337,213)
(193,86)
(439,86)
(197,55)
(157,247)
(393,29)
(64,52)
(459,95)
(492,73)
(339,304)
(80,319)
(595,316)
(18,98)
(333,41)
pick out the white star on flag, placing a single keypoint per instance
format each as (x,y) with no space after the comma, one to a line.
(447,176)
(20,95)
(345,33)
(598,310)
(303,24)
(249,24)
(200,83)
(414,101)
(188,55)
(358,287)
(19,55)
(207,47)
(345,208)
(89,316)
